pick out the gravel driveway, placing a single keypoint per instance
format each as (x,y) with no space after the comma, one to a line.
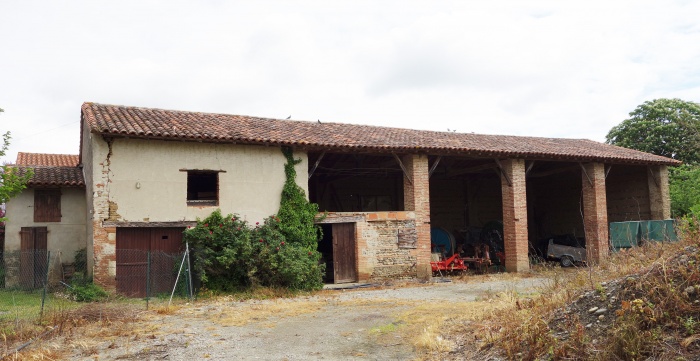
(341,324)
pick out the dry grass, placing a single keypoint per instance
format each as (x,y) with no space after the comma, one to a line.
(517,327)
(263,311)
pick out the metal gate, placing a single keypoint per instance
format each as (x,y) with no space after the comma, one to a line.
(146,260)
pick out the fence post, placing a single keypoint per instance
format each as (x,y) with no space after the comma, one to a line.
(46,282)
(189,271)
(148,278)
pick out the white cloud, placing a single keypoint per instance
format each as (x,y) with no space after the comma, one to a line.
(559,69)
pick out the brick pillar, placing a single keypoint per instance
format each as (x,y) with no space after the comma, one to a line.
(417,199)
(659,197)
(595,211)
(515,215)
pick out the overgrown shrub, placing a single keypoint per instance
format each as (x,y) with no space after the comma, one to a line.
(221,251)
(230,255)
(83,290)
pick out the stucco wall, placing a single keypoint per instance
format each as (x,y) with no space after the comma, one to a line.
(144,182)
(64,238)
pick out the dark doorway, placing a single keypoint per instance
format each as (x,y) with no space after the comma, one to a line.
(140,250)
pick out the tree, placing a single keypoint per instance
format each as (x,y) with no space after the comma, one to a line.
(665,127)
(684,188)
(12,182)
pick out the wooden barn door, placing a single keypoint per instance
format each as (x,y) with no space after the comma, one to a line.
(344,270)
(134,248)
(33,261)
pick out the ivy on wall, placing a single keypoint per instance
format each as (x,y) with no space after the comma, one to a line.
(230,254)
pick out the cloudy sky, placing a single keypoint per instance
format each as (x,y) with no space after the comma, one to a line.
(569,69)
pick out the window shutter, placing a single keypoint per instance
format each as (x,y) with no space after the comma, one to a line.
(47,205)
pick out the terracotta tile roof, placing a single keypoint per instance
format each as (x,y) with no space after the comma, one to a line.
(44,159)
(54,176)
(151,123)
(51,169)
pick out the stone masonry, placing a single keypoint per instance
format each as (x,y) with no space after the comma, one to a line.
(379,254)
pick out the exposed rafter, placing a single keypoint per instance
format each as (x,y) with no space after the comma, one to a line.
(318,161)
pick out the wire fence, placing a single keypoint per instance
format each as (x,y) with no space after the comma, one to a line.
(35,285)
(147,274)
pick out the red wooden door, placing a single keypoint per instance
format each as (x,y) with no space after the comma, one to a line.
(33,257)
(136,248)
(344,268)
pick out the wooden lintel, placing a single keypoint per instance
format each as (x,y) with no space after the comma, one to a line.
(318,161)
(149,224)
(503,173)
(405,172)
(340,219)
(583,169)
(651,174)
(434,166)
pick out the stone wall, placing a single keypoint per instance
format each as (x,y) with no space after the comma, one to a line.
(386,243)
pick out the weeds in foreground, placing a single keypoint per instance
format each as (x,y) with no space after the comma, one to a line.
(659,309)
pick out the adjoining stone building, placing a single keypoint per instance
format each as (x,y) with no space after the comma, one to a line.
(151,172)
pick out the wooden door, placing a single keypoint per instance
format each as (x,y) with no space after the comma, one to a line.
(134,248)
(166,243)
(344,257)
(33,257)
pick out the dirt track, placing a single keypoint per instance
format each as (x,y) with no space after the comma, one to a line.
(336,325)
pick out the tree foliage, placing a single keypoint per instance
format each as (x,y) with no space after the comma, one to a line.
(12,182)
(684,189)
(665,127)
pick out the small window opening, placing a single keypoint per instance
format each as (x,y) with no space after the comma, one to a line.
(202,188)
(164,237)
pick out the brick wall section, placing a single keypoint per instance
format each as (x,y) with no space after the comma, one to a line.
(627,193)
(417,199)
(515,215)
(377,252)
(595,211)
(104,238)
(105,270)
(659,197)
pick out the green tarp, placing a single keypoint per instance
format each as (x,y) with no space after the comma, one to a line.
(630,234)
